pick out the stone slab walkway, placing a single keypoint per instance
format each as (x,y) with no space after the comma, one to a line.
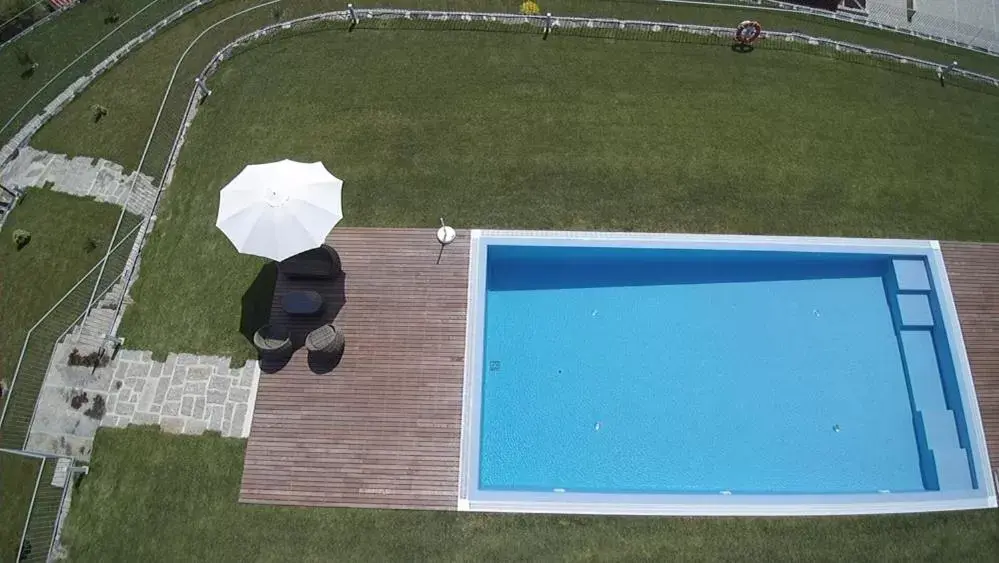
(185,394)
(100,179)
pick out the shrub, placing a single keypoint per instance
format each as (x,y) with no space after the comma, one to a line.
(90,245)
(97,408)
(92,360)
(99,111)
(530,8)
(111,13)
(21,238)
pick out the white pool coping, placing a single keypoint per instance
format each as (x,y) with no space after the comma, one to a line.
(723,503)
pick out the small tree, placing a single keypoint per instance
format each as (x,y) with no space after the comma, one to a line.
(24,58)
(112,13)
(99,111)
(21,238)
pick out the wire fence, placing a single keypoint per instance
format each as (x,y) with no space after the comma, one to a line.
(39,523)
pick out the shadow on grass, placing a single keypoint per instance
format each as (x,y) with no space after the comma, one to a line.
(256,304)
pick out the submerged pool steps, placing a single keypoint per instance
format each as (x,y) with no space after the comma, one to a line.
(945,463)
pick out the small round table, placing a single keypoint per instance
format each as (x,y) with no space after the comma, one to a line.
(302,302)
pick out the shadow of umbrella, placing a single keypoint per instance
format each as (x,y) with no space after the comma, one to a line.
(256,305)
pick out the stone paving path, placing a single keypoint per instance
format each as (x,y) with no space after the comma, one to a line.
(185,394)
(100,179)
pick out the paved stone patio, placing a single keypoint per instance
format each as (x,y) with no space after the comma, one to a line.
(185,394)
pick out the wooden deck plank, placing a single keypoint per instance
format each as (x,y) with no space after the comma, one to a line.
(382,428)
(973,270)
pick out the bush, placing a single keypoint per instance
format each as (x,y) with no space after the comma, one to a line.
(91,360)
(21,238)
(530,8)
(99,111)
(112,13)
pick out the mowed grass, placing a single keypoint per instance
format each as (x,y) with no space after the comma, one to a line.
(33,279)
(132,90)
(505,130)
(17,482)
(178,495)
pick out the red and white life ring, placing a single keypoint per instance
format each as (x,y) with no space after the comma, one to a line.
(748,32)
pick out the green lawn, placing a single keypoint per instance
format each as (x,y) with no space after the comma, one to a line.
(17,481)
(505,130)
(161,497)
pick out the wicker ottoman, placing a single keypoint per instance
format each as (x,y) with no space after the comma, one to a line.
(272,340)
(326,339)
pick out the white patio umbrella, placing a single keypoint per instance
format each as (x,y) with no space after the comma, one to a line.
(279,209)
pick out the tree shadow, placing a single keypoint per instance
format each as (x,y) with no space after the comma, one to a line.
(742,48)
(256,303)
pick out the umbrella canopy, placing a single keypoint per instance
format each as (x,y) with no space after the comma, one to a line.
(279,209)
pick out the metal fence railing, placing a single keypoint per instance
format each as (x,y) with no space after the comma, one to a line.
(39,524)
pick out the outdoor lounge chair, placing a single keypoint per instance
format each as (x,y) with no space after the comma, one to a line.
(321,263)
(325,340)
(272,341)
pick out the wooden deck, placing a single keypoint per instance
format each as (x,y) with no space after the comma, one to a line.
(382,429)
(973,270)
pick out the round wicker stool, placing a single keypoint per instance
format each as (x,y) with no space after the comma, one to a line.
(272,340)
(326,339)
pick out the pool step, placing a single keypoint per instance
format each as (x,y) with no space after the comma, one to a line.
(939,429)
(911,274)
(951,469)
(914,310)
(923,370)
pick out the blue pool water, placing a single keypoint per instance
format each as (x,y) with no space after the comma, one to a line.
(650,370)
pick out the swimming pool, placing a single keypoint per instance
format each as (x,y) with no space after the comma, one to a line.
(675,374)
